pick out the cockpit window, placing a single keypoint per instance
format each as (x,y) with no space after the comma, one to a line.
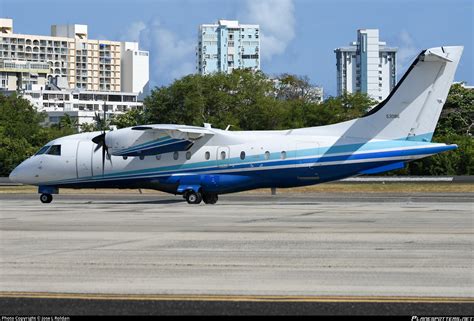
(43,150)
(55,150)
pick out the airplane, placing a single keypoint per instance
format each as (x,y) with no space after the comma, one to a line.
(201,163)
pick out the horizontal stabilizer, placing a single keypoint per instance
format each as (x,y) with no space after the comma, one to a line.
(433,55)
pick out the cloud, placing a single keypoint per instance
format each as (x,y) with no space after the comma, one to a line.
(171,56)
(407,51)
(277,24)
(133,31)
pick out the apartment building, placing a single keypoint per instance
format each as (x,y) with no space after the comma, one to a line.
(70,59)
(227,45)
(68,73)
(367,65)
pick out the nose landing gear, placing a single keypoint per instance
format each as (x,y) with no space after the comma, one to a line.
(46,193)
(46,198)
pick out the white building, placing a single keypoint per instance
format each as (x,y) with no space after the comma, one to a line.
(81,105)
(72,59)
(367,66)
(135,65)
(227,45)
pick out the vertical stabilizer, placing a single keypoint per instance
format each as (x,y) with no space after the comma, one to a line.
(413,108)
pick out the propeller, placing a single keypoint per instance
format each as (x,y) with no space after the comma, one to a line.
(100,139)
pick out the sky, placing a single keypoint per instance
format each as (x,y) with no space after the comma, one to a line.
(297,36)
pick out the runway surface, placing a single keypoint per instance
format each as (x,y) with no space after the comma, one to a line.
(314,245)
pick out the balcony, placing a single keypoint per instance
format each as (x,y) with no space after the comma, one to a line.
(23,66)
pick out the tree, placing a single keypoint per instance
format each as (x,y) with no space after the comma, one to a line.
(67,122)
(457,116)
(455,126)
(21,133)
(132,117)
(87,127)
(220,99)
(293,87)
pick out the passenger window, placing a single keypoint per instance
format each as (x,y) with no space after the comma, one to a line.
(267,155)
(158,157)
(55,150)
(175,155)
(207,155)
(124,157)
(142,157)
(242,155)
(222,155)
(283,155)
(188,155)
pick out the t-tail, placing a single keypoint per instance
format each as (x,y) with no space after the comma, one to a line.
(412,109)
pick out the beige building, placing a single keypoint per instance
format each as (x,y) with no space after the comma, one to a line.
(68,58)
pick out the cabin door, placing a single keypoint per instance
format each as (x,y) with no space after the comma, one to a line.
(84,159)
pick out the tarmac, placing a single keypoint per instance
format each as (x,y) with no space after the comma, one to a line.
(328,249)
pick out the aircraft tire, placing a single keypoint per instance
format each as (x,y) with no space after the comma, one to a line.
(46,198)
(210,198)
(193,198)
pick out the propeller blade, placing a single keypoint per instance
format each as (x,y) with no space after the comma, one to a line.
(99,139)
(103,159)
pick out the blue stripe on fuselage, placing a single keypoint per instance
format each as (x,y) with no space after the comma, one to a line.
(212,165)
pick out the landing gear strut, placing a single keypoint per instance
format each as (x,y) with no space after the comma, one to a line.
(46,198)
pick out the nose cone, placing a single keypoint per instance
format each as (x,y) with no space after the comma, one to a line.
(13,175)
(21,174)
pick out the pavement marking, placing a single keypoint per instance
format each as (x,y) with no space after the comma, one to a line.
(237,298)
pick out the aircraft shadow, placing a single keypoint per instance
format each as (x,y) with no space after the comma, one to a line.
(158,202)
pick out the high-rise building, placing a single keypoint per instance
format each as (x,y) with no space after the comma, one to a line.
(226,46)
(367,65)
(135,64)
(69,59)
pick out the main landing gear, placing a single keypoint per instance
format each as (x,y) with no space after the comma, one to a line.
(46,198)
(193,197)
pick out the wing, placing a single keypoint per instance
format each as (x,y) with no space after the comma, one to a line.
(154,139)
(178,131)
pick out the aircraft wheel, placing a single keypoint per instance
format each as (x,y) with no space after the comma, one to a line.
(193,198)
(210,198)
(46,198)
